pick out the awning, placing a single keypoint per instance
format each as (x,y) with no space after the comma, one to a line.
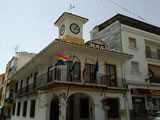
(140,91)
(155,70)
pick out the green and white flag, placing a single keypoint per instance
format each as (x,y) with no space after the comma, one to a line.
(73,63)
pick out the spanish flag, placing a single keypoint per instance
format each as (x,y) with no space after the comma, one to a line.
(84,69)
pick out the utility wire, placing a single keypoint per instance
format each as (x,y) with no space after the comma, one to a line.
(125,9)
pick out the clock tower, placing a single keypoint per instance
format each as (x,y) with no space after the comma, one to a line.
(71,27)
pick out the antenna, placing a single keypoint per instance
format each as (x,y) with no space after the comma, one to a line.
(16,49)
(127,10)
(71,7)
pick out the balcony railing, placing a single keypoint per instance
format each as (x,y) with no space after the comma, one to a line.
(152,55)
(155,80)
(25,90)
(63,76)
(13,69)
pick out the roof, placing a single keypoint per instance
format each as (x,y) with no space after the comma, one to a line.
(69,43)
(88,46)
(130,22)
(71,15)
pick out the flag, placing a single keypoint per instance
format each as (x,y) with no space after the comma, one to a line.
(96,69)
(84,69)
(62,60)
(73,64)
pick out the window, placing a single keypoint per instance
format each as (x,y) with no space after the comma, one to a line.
(32,108)
(132,42)
(57,74)
(21,86)
(158,54)
(135,66)
(84,108)
(35,79)
(13,109)
(90,76)
(74,75)
(14,62)
(16,87)
(27,82)
(148,52)
(50,74)
(113,111)
(111,74)
(18,108)
(24,108)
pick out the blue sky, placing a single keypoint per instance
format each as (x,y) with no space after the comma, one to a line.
(30,23)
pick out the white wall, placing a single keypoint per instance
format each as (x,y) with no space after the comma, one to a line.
(139,55)
(40,111)
(43,104)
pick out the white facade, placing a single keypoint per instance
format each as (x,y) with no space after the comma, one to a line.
(42,110)
(67,94)
(116,36)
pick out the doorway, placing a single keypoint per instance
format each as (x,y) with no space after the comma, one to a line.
(139,109)
(54,109)
(80,107)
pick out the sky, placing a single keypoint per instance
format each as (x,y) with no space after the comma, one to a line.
(29,24)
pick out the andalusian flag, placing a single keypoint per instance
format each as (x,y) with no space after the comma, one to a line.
(62,60)
(73,63)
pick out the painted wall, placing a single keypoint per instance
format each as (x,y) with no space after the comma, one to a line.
(139,53)
(43,101)
(135,79)
(23,58)
(110,35)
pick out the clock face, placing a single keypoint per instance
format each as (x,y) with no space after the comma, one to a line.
(74,28)
(62,30)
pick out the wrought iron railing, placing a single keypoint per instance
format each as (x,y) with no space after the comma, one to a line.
(152,55)
(155,79)
(25,90)
(63,76)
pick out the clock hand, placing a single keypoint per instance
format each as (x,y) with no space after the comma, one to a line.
(76,28)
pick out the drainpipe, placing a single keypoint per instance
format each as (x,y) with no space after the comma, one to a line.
(127,102)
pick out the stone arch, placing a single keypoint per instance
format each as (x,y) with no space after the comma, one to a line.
(80,105)
(54,108)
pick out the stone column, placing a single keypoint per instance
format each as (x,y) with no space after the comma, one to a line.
(99,112)
(62,109)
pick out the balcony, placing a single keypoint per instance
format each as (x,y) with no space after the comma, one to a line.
(13,69)
(152,55)
(58,76)
(24,90)
(62,76)
(154,73)
(155,79)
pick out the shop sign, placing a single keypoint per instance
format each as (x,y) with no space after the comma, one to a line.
(140,91)
(145,91)
(105,104)
(123,113)
(155,92)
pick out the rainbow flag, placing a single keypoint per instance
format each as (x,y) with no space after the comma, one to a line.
(62,60)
